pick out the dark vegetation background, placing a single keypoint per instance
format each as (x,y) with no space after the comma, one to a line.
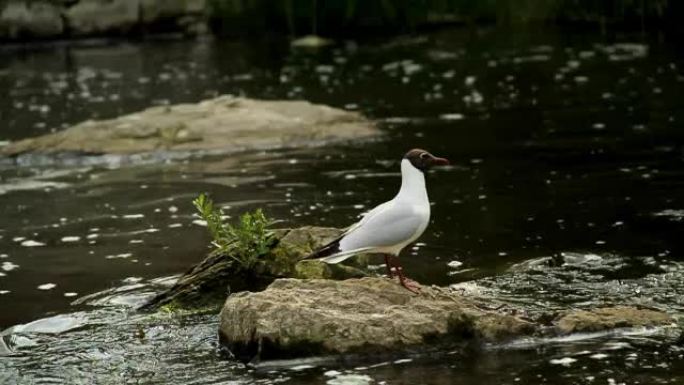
(347,18)
(59,19)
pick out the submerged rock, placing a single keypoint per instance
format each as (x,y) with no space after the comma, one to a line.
(223,124)
(607,318)
(369,315)
(210,281)
(311,41)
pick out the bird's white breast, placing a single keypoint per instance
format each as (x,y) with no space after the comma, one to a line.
(412,195)
(393,225)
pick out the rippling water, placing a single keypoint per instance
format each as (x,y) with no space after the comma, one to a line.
(565,190)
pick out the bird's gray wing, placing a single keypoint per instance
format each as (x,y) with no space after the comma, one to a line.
(367,216)
(393,224)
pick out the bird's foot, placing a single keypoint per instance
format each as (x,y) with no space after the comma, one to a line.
(408,283)
(411,285)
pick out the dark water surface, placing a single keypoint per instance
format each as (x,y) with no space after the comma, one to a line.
(566,190)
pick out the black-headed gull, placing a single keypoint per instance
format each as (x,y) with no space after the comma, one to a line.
(393,225)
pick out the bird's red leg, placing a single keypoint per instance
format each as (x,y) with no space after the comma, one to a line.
(410,285)
(389,268)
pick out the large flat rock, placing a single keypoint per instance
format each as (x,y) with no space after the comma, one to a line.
(222,124)
(312,317)
(368,315)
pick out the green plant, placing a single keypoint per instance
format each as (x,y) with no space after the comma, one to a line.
(245,242)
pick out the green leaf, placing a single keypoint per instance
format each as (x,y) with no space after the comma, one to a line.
(245,242)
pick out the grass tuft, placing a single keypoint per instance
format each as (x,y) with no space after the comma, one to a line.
(246,242)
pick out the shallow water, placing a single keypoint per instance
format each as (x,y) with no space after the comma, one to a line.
(565,190)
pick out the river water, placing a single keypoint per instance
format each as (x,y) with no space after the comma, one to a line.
(565,190)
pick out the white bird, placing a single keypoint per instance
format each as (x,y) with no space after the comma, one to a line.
(393,225)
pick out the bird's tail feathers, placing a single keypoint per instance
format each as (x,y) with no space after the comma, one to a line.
(341,256)
(331,252)
(327,250)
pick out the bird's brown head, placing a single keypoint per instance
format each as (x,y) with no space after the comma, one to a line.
(423,160)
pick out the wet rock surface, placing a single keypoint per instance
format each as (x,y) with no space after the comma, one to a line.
(368,315)
(222,124)
(299,318)
(208,282)
(595,320)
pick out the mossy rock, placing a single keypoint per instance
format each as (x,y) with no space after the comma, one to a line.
(295,318)
(313,269)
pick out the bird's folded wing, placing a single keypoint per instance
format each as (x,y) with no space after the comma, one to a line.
(391,225)
(366,217)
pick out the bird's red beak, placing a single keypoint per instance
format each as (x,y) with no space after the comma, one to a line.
(439,161)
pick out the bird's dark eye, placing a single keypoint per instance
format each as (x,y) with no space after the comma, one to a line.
(424,155)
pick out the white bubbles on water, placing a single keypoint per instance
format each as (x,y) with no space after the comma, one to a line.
(119,256)
(403,361)
(565,361)
(350,379)
(8,266)
(299,368)
(32,243)
(452,116)
(475,97)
